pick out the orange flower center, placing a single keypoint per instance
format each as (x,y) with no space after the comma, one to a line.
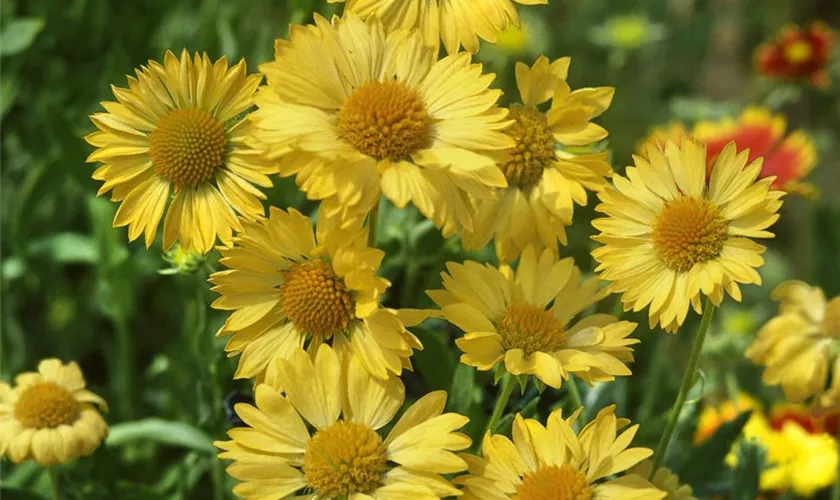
(534,150)
(798,52)
(187,146)
(831,320)
(316,300)
(46,405)
(385,120)
(531,329)
(688,231)
(343,459)
(554,483)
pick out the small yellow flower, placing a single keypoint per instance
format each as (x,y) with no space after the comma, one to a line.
(50,416)
(289,287)
(524,320)
(552,462)
(665,480)
(544,182)
(672,236)
(515,39)
(178,129)
(457,22)
(799,345)
(346,456)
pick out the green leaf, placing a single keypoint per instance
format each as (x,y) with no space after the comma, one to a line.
(747,474)
(463,387)
(160,431)
(711,453)
(66,248)
(18,34)
(435,363)
(13,494)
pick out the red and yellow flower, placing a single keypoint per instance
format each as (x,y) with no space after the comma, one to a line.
(798,54)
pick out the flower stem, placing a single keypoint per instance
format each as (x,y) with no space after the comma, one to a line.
(574,392)
(687,382)
(508,381)
(373,226)
(56,491)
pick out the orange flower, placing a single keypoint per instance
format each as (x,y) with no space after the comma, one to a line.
(798,54)
(712,417)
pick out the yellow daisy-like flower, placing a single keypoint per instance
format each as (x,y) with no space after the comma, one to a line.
(178,128)
(665,480)
(797,346)
(289,288)
(346,457)
(552,462)
(670,236)
(523,319)
(50,416)
(544,182)
(355,113)
(457,22)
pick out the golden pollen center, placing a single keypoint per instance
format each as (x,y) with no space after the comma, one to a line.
(688,231)
(46,404)
(798,52)
(343,459)
(315,299)
(187,146)
(531,329)
(385,120)
(831,320)
(534,150)
(554,483)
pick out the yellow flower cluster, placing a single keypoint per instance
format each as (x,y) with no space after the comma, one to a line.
(361,108)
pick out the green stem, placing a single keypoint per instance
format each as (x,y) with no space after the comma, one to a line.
(508,381)
(618,307)
(687,382)
(574,392)
(373,226)
(218,479)
(56,491)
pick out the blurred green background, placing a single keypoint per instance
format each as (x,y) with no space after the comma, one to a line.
(74,288)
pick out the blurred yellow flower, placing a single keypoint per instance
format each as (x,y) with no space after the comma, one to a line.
(553,462)
(391,119)
(515,39)
(799,345)
(457,22)
(289,288)
(665,480)
(628,32)
(797,460)
(523,319)
(543,182)
(49,416)
(671,236)
(178,128)
(277,456)
(713,416)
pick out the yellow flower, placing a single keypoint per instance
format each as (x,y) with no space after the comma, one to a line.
(665,480)
(523,319)
(178,128)
(290,288)
(50,416)
(674,131)
(797,345)
(798,461)
(551,462)
(346,457)
(355,113)
(671,236)
(514,39)
(457,22)
(713,416)
(544,183)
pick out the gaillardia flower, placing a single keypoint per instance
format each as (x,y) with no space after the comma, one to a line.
(178,128)
(379,114)
(346,456)
(457,22)
(289,288)
(798,345)
(798,54)
(522,319)
(670,236)
(50,416)
(543,181)
(788,158)
(552,462)
(664,480)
